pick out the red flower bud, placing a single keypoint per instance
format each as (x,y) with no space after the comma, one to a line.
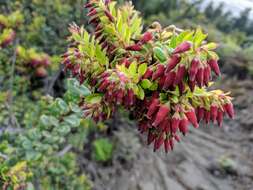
(146,37)
(148,74)
(214,112)
(214,66)
(158,142)
(167,147)
(161,115)
(192,85)
(207,75)
(207,116)
(153,107)
(159,72)
(92,12)
(161,81)
(109,15)
(229,110)
(130,97)
(151,137)
(98,34)
(175,121)
(183,47)
(98,27)
(104,75)
(183,126)
(171,144)
(192,118)
(201,113)
(104,45)
(135,47)
(76,69)
(165,125)
(126,62)
(175,59)
(104,85)
(120,96)
(93,20)
(169,80)
(200,77)
(194,69)
(143,127)
(220,118)
(88,5)
(180,74)
(177,138)
(181,87)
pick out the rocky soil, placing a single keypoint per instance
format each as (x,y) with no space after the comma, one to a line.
(210,158)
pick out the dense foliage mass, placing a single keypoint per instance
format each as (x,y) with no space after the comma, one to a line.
(159,75)
(33,153)
(43,139)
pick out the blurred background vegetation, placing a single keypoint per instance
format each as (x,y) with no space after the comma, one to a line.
(48,152)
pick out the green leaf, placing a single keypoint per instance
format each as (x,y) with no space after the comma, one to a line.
(93,98)
(141,93)
(27,144)
(62,105)
(49,121)
(182,35)
(175,99)
(102,150)
(72,120)
(146,84)
(210,46)
(142,69)
(213,55)
(63,129)
(173,41)
(32,155)
(199,37)
(132,68)
(160,54)
(135,89)
(75,88)
(189,36)
(154,86)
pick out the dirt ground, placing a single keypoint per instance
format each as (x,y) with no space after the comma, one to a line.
(210,158)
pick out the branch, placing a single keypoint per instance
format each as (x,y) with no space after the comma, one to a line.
(64,151)
(4,156)
(49,90)
(12,118)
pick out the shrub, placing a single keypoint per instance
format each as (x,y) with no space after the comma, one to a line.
(159,75)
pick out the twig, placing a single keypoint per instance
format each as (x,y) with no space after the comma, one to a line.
(4,156)
(49,90)
(12,118)
(64,151)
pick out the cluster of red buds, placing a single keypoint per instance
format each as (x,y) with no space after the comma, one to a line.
(7,37)
(97,111)
(173,73)
(39,62)
(95,12)
(158,76)
(75,68)
(114,85)
(163,121)
(147,37)
(8,25)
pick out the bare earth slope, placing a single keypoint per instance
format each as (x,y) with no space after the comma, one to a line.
(209,158)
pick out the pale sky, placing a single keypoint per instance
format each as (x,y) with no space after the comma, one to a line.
(235,6)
